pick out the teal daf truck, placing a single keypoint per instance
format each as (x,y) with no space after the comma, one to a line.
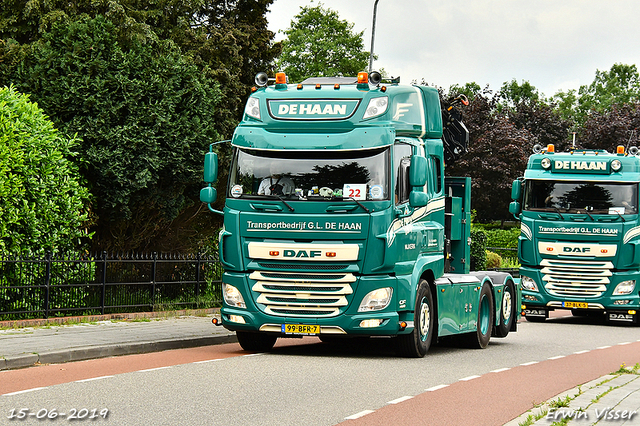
(339,222)
(579,245)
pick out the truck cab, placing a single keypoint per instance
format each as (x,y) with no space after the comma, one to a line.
(339,222)
(578,245)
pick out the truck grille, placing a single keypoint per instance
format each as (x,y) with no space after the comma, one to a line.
(576,278)
(298,294)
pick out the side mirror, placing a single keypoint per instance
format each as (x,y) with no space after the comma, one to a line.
(418,171)
(208,195)
(210,167)
(515,208)
(418,199)
(516,190)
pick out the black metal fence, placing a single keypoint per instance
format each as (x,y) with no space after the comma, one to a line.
(100,283)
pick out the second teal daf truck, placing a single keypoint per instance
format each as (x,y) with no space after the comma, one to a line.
(339,221)
(579,245)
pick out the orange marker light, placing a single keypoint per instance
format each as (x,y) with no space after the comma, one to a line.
(549,248)
(331,254)
(363,78)
(551,148)
(336,86)
(274,253)
(281,78)
(620,149)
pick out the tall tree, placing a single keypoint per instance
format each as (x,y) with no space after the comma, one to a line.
(147,86)
(320,44)
(617,86)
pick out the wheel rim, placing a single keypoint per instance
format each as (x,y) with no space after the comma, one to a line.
(485,315)
(507,303)
(425,320)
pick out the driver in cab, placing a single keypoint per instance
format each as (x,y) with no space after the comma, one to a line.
(276,183)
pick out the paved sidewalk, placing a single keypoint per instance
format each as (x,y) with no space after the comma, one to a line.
(29,346)
(612,399)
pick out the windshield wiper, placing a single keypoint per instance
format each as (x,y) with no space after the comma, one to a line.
(358,202)
(283,201)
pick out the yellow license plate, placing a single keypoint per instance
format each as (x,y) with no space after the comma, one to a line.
(300,329)
(581,305)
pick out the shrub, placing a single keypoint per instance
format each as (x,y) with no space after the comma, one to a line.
(493,260)
(42,198)
(478,251)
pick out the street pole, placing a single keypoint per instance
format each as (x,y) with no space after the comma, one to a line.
(373,35)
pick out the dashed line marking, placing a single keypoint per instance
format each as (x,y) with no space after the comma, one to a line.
(557,357)
(92,379)
(466,379)
(624,343)
(582,352)
(152,369)
(500,370)
(435,388)
(399,400)
(248,355)
(529,363)
(358,415)
(24,391)
(209,360)
(604,347)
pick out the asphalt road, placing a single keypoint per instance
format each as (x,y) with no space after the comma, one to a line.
(307,382)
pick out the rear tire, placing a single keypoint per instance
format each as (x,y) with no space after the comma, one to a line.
(507,310)
(416,344)
(256,342)
(480,339)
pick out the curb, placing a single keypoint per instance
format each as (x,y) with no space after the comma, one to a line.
(104,351)
(106,317)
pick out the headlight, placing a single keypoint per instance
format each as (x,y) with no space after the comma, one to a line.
(625,287)
(376,300)
(253,108)
(545,163)
(616,165)
(528,284)
(376,107)
(232,296)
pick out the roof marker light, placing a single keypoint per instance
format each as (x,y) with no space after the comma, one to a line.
(551,148)
(363,78)
(620,149)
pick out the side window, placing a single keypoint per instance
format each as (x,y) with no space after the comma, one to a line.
(401,163)
(438,167)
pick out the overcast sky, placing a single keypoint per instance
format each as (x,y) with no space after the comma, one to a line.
(553,44)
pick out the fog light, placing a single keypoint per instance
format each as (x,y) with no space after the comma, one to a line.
(371,323)
(621,302)
(528,297)
(237,318)
(631,312)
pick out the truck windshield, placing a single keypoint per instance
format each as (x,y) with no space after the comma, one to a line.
(310,175)
(580,197)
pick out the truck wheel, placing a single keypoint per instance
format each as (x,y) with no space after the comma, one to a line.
(480,339)
(507,310)
(416,344)
(256,342)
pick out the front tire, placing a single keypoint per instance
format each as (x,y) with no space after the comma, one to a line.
(484,324)
(416,344)
(256,342)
